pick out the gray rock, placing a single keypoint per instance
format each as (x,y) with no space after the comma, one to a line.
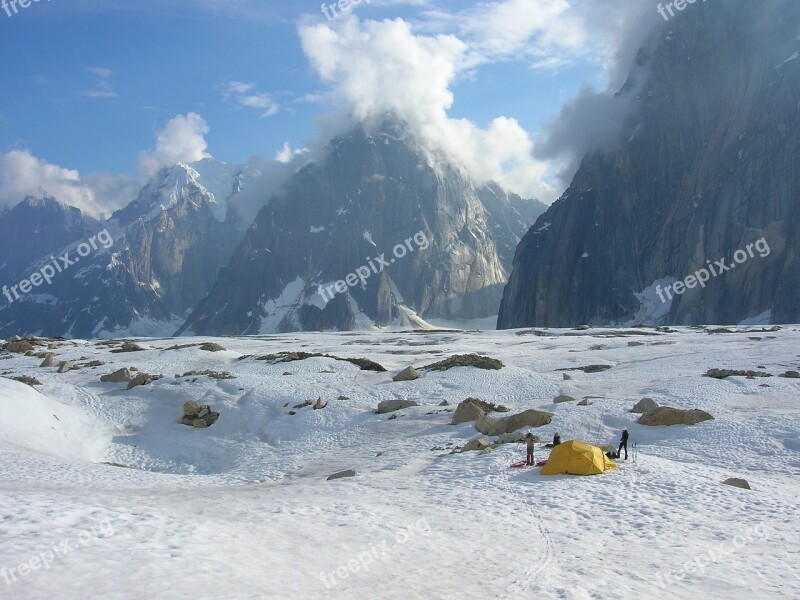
(644,406)
(466,360)
(120,376)
(199,424)
(388,406)
(140,379)
(212,347)
(517,437)
(65,366)
(563,398)
(567,377)
(444,403)
(668,416)
(49,361)
(342,475)
(320,404)
(19,347)
(407,374)
(791,374)
(191,408)
(478,443)
(583,328)
(529,418)
(467,411)
(585,402)
(739,483)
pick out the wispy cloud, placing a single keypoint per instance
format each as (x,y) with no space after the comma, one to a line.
(246,95)
(102,85)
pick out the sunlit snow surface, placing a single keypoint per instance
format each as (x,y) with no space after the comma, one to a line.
(243,509)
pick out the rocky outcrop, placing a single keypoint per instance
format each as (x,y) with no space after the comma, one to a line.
(725,373)
(667,416)
(19,347)
(703,169)
(466,360)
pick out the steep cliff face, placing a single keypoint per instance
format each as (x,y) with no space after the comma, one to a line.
(706,166)
(374,194)
(37,226)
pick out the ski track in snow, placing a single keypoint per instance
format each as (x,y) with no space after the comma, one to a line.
(242,510)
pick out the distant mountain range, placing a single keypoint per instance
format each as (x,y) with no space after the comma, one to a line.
(706,167)
(181,251)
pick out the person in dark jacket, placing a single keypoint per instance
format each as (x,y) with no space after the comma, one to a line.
(623,443)
(556,439)
(529,441)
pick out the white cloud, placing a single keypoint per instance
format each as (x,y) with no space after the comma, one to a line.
(23,174)
(287,154)
(181,140)
(102,86)
(246,96)
(374,68)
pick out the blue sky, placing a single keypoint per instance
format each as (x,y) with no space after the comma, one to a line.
(87,85)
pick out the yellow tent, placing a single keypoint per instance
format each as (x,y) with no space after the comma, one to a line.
(576,458)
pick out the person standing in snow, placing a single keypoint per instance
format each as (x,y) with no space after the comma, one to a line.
(529,441)
(556,439)
(623,443)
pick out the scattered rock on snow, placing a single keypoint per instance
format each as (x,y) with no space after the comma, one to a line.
(320,404)
(120,376)
(199,416)
(128,347)
(19,347)
(407,374)
(723,373)
(736,482)
(478,443)
(140,379)
(49,361)
(567,377)
(27,380)
(342,475)
(466,360)
(563,398)
(65,366)
(585,402)
(666,415)
(791,374)
(388,406)
(644,406)
(212,347)
(444,403)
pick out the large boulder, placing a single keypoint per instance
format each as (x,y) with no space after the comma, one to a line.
(199,416)
(320,404)
(467,411)
(388,406)
(407,374)
(644,406)
(49,361)
(119,376)
(19,347)
(140,379)
(666,416)
(529,418)
(478,443)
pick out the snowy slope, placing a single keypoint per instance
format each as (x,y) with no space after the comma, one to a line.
(243,509)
